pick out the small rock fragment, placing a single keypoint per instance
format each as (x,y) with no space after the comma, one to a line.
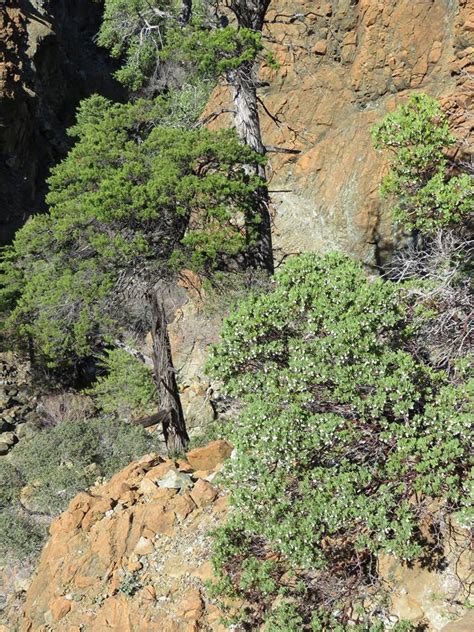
(144,547)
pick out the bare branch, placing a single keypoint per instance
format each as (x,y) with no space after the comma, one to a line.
(281,150)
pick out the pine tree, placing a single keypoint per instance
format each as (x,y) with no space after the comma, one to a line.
(163,47)
(130,203)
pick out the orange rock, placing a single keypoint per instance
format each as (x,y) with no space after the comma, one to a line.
(163,496)
(320,48)
(82,501)
(82,581)
(435,52)
(174,567)
(466,624)
(96,512)
(160,521)
(184,466)
(167,625)
(115,582)
(213,617)
(205,572)
(201,473)
(203,493)
(183,505)
(68,521)
(147,487)
(150,460)
(128,498)
(121,533)
(144,547)
(59,608)
(160,470)
(211,455)
(117,490)
(191,605)
(134,564)
(221,505)
(148,533)
(148,593)
(189,626)
(115,615)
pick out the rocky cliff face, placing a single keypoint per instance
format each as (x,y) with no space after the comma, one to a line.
(343,65)
(48,62)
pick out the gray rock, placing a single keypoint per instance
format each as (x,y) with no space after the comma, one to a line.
(175,480)
(26,430)
(4,448)
(9,438)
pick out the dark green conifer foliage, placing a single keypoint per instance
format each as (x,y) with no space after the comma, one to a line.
(163,46)
(129,198)
(160,47)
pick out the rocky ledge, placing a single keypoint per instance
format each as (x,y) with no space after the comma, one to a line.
(133,554)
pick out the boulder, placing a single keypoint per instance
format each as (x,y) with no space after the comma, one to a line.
(175,480)
(144,546)
(59,608)
(209,456)
(203,493)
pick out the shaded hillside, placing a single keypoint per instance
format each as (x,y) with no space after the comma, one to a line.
(48,63)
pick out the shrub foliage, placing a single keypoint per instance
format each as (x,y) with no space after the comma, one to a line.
(55,464)
(126,388)
(429,189)
(345,440)
(59,461)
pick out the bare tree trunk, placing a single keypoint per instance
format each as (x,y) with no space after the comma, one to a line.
(185,13)
(247,125)
(171,412)
(250,14)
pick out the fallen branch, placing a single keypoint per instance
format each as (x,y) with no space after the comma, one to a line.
(281,150)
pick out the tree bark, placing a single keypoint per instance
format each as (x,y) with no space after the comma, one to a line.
(250,14)
(185,12)
(171,411)
(247,125)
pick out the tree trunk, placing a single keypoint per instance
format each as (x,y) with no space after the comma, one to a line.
(171,411)
(247,125)
(250,14)
(185,12)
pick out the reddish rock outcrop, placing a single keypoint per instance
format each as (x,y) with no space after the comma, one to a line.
(343,65)
(130,556)
(210,456)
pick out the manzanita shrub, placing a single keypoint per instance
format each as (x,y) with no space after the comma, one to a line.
(345,443)
(430,189)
